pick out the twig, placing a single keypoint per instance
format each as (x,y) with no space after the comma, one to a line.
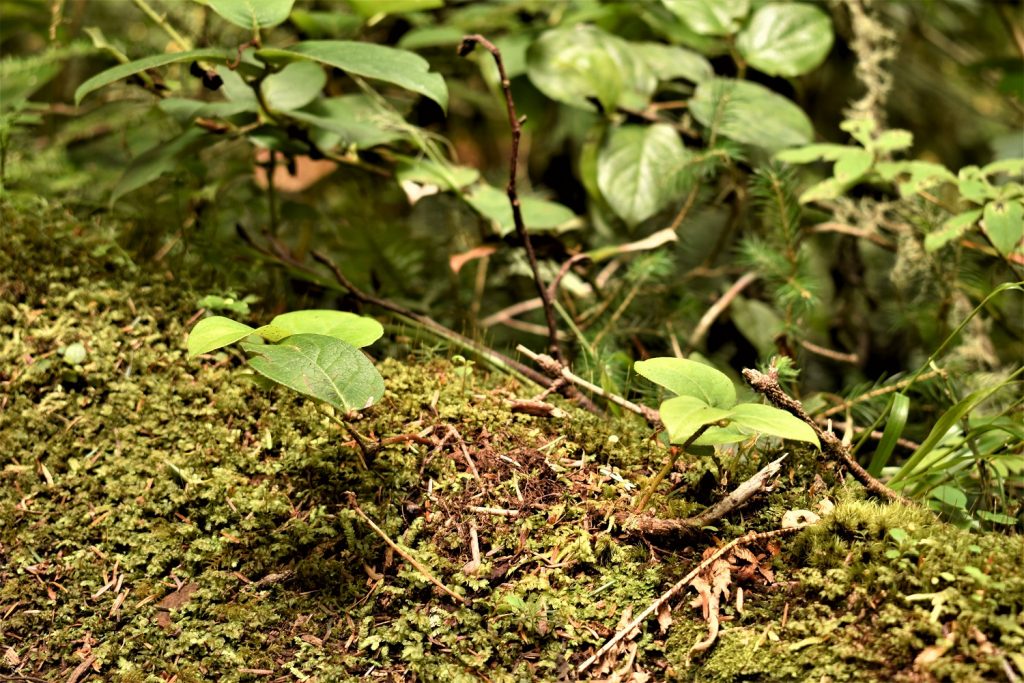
(844,229)
(182,42)
(718,307)
(500,512)
(556,369)
(831,354)
(468,43)
(768,385)
(402,552)
(465,451)
(750,537)
(1012,27)
(736,499)
(652,485)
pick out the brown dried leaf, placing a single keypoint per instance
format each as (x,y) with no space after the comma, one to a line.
(664,617)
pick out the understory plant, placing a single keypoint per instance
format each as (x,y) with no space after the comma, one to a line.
(314,352)
(705,412)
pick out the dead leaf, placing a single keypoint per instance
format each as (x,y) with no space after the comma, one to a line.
(664,617)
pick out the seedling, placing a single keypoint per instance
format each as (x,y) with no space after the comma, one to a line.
(705,412)
(314,352)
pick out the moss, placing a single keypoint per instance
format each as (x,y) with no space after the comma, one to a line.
(135,473)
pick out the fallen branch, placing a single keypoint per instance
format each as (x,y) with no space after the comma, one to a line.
(466,47)
(750,537)
(768,386)
(739,496)
(718,307)
(417,565)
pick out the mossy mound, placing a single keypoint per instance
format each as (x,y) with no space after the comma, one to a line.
(164,518)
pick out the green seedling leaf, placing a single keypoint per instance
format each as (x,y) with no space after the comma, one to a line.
(689,378)
(913,176)
(973,185)
(214,333)
(898,410)
(357,330)
(1004,224)
(893,140)
(774,422)
(539,214)
(116,73)
(852,165)
(322,367)
(899,535)
(951,230)
(391,65)
(786,39)
(684,415)
(640,169)
(294,86)
(252,14)
(709,17)
(750,113)
(583,64)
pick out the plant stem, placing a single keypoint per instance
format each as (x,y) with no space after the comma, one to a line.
(653,484)
(468,43)
(184,43)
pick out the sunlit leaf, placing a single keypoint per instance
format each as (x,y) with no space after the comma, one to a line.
(357,330)
(786,39)
(689,378)
(684,415)
(750,113)
(710,17)
(774,422)
(214,333)
(322,367)
(1004,224)
(252,14)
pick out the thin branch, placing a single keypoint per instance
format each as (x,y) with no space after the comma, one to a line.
(422,569)
(844,229)
(882,391)
(689,525)
(717,308)
(768,385)
(556,369)
(747,538)
(468,43)
(831,354)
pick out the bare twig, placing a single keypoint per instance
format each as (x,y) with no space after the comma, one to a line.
(736,499)
(832,354)
(768,385)
(422,569)
(718,307)
(556,369)
(468,43)
(844,229)
(750,537)
(882,391)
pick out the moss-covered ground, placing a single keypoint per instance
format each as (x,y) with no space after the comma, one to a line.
(162,519)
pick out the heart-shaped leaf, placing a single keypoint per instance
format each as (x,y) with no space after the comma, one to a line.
(1004,224)
(774,422)
(710,17)
(321,367)
(215,332)
(357,330)
(640,169)
(689,378)
(786,39)
(684,415)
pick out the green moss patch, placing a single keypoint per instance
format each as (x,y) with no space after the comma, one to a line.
(163,518)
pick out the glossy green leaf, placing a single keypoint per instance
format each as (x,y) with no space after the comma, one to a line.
(391,65)
(669,62)
(357,330)
(539,215)
(252,14)
(294,86)
(684,415)
(750,113)
(951,230)
(214,333)
(710,17)
(370,8)
(640,169)
(427,171)
(949,495)
(774,422)
(162,158)
(322,367)
(685,377)
(786,38)
(1004,224)
(120,71)
(583,64)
